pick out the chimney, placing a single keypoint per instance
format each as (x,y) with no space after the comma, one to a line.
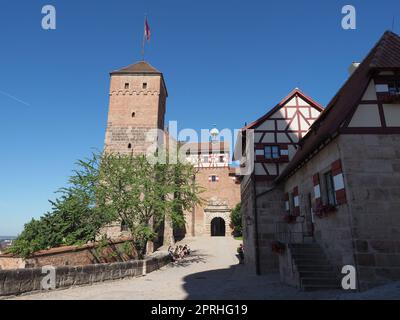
(353,67)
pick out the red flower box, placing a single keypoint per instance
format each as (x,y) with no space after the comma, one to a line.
(324,210)
(288,218)
(278,247)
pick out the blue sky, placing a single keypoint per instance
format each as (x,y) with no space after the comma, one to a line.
(225,63)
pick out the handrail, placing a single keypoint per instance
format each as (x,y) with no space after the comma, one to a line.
(285,233)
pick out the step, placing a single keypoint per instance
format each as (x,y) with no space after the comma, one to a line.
(305,245)
(319,282)
(307,256)
(307,250)
(313,268)
(320,287)
(318,274)
(311,262)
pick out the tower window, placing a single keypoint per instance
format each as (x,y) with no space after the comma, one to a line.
(130,146)
(145,85)
(124,227)
(133,114)
(126,85)
(213,178)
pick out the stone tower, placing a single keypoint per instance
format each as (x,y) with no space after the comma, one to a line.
(137,106)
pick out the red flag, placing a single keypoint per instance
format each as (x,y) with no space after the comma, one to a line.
(147,32)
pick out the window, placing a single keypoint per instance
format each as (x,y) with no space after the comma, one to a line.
(330,189)
(272,152)
(133,114)
(221,159)
(124,227)
(291,203)
(394,87)
(214,179)
(126,85)
(130,146)
(144,85)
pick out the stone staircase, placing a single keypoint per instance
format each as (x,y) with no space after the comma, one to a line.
(314,269)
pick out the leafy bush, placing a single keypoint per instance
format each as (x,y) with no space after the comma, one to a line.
(236,220)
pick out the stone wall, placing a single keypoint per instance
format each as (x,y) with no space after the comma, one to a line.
(72,256)
(262,232)
(333,232)
(16,282)
(372,170)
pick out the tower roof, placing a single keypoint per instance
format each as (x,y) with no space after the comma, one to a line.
(141,67)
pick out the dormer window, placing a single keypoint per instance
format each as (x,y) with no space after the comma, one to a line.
(388,90)
(394,87)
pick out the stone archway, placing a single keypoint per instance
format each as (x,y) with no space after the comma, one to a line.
(217,209)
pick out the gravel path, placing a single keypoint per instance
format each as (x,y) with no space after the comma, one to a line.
(211,272)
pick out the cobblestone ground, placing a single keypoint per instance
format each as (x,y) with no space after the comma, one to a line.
(211,272)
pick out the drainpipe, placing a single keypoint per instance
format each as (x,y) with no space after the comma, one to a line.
(256,239)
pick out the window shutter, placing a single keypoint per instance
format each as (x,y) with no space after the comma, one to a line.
(338,181)
(284,150)
(287,205)
(296,200)
(317,189)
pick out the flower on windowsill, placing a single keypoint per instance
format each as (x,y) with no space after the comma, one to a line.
(390,97)
(288,218)
(324,210)
(278,247)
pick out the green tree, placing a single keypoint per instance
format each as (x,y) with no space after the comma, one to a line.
(114,187)
(137,192)
(236,220)
(74,219)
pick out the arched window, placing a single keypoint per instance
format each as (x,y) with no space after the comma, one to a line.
(133,114)
(130,146)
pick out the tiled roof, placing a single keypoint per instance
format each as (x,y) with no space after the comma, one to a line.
(141,67)
(385,55)
(208,147)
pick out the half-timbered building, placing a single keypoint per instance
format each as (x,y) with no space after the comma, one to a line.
(336,204)
(270,143)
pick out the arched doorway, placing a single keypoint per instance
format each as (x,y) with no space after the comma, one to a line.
(218,227)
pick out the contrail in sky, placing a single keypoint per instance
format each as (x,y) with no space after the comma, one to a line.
(14,98)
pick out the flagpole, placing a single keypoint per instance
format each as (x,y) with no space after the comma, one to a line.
(144,37)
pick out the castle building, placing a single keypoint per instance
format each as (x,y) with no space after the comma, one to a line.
(336,204)
(137,109)
(221,188)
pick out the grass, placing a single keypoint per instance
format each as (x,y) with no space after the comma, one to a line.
(239,238)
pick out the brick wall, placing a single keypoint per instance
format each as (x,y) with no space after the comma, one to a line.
(226,190)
